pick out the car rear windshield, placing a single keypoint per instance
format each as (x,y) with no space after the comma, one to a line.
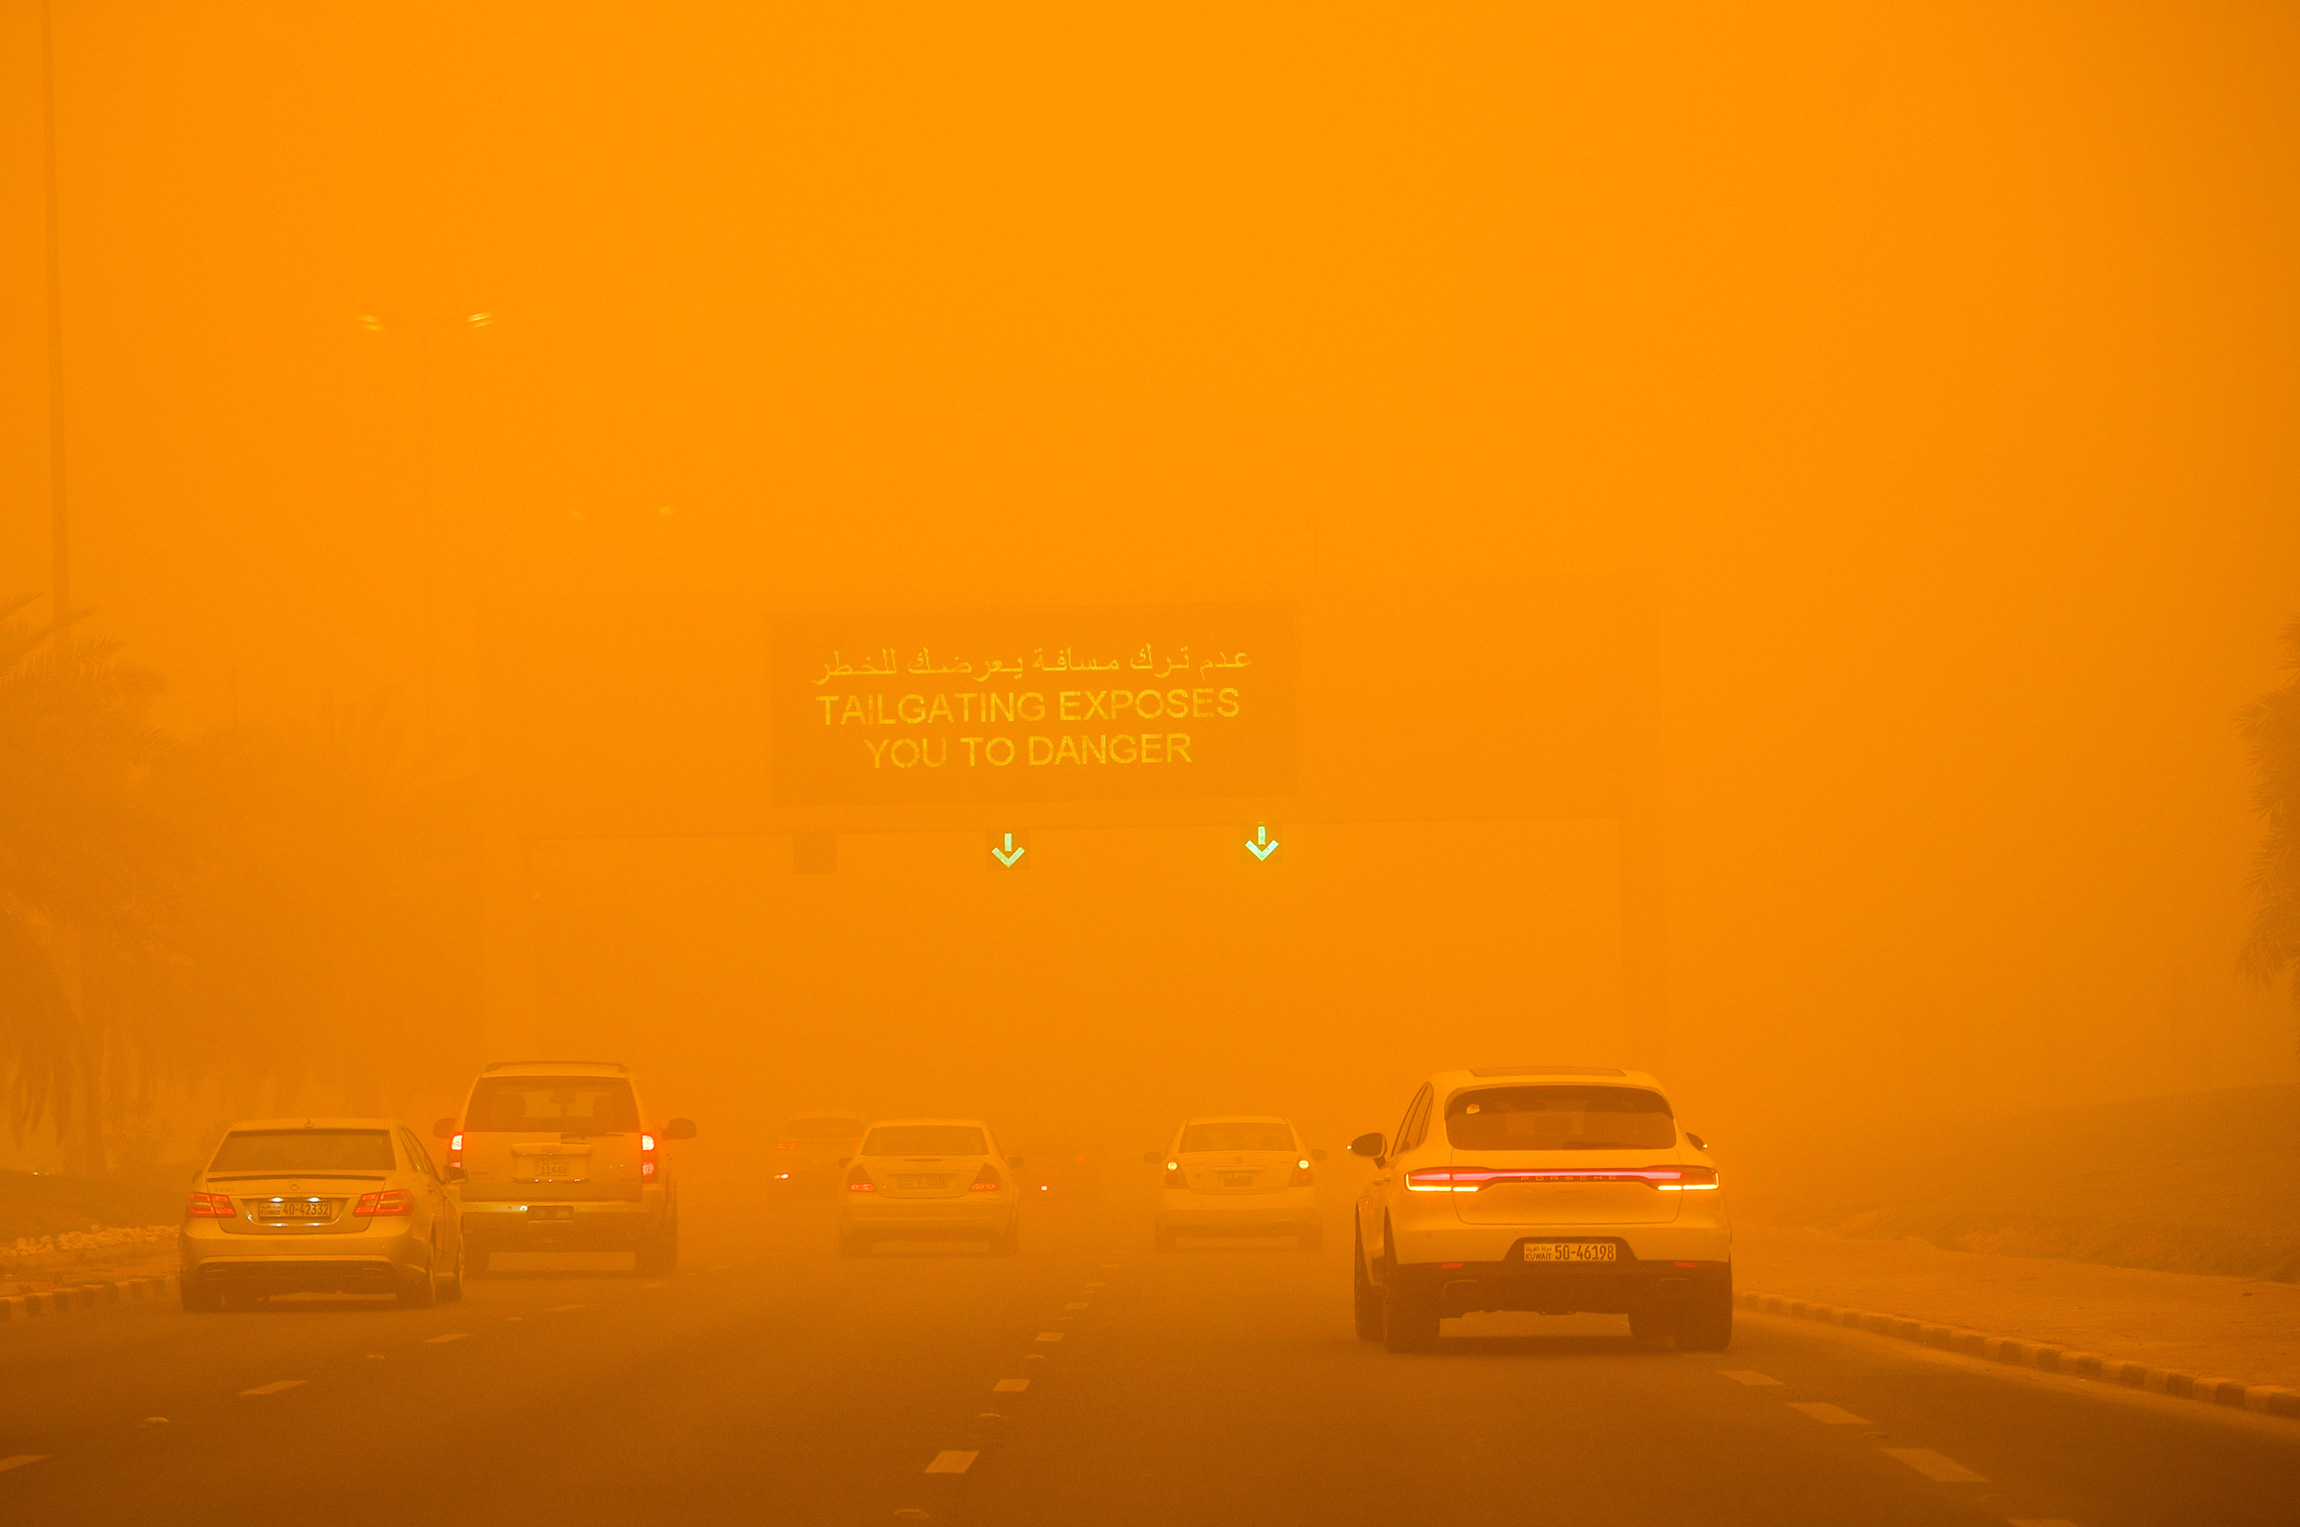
(1237,1137)
(823,1129)
(1559,1119)
(926,1140)
(305,1150)
(572,1105)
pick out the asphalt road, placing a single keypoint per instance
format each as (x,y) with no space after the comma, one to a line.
(772,1382)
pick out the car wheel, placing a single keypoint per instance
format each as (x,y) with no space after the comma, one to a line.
(1310,1237)
(475,1261)
(1705,1323)
(417,1291)
(198,1300)
(1650,1325)
(659,1253)
(853,1245)
(1008,1241)
(1365,1299)
(452,1289)
(1409,1315)
(1163,1238)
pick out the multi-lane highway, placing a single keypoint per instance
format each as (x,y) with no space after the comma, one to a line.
(1089,1380)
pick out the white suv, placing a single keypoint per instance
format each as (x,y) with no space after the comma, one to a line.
(560,1158)
(1550,1188)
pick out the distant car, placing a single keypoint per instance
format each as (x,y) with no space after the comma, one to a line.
(1237,1175)
(560,1158)
(343,1206)
(1549,1188)
(809,1150)
(923,1179)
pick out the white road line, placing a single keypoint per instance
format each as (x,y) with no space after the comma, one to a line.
(951,1463)
(20,1460)
(450,1336)
(274,1387)
(1822,1410)
(1010,1386)
(561,1309)
(1050,1336)
(515,1317)
(375,1357)
(1074,1306)
(1747,1376)
(1933,1466)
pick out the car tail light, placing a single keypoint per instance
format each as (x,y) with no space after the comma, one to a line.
(1174,1177)
(646,1156)
(858,1180)
(209,1206)
(389,1202)
(1303,1176)
(985,1181)
(786,1145)
(1468,1179)
(455,1149)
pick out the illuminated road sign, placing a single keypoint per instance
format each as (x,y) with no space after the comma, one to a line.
(1261,843)
(1175,702)
(1007,850)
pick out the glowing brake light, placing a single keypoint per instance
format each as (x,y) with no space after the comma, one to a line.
(455,1149)
(1174,1178)
(209,1206)
(858,1180)
(390,1201)
(1469,1179)
(646,1155)
(985,1181)
(1303,1177)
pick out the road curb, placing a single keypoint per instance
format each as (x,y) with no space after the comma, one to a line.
(2266,1399)
(86,1296)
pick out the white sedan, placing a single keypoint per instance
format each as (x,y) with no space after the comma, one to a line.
(1237,1175)
(929,1179)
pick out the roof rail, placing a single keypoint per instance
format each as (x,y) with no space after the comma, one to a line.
(497,1065)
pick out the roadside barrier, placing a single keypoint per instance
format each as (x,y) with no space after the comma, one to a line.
(86,1296)
(2267,1399)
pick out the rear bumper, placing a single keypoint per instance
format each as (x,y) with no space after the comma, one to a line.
(1244,1214)
(925,1216)
(540,1224)
(255,1277)
(1565,1288)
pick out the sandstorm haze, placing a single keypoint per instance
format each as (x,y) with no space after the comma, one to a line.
(1781,509)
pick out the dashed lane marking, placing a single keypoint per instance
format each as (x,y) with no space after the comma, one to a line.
(21,1459)
(1934,1466)
(561,1309)
(1748,1376)
(952,1462)
(450,1336)
(274,1387)
(1050,1336)
(1833,1415)
(1010,1386)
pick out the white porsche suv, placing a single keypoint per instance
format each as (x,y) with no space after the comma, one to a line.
(1549,1188)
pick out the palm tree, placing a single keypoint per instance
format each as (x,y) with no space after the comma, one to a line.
(82,859)
(2271,727)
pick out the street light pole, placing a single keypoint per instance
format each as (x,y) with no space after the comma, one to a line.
(59,525)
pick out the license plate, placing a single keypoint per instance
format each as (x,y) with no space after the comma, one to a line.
(550,1211)
(552,1169)
(1571,1251)
(296,1210)
(921,1182)
(1238,1179)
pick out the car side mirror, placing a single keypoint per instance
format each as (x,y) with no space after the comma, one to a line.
(1317,1155)
(678,1129)
(843,1160)
(1367,1145)
(1696,1141)
(456,1174)
(1014,1161)
(1152,1158)
(444,1128)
